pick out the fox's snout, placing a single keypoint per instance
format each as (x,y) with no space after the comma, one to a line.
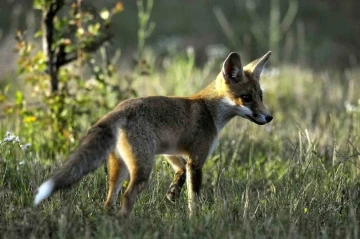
(262,118)
(268,118)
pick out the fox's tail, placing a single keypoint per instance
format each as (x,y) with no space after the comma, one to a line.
(92,151)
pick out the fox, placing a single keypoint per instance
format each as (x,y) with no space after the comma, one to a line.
(183,129)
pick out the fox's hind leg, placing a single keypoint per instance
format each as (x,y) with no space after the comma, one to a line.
(178,164)
(139,159)
(117,173)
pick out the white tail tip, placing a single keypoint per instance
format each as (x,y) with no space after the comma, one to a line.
(44,191)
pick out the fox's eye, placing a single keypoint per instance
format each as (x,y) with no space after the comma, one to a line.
(246,98)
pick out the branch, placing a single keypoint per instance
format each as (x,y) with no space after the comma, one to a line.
(66,60)
(97,43)
(57,6)
(63,58)
(48,19)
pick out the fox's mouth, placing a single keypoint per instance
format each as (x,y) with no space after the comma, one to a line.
(257,118)
(257,121)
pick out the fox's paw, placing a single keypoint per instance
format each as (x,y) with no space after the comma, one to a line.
(173,193)
(109,205)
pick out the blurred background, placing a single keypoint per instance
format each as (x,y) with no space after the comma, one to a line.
(123,49)
(315,34)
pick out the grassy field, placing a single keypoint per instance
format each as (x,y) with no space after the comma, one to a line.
(297,177)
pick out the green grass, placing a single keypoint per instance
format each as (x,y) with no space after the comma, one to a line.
(297,177)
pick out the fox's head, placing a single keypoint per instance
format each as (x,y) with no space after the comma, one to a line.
(240,90)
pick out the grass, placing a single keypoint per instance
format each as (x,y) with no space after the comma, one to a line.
(297,177)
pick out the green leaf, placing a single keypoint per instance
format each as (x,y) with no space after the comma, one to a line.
(39,4)
(94,28)
(38,34)
(19,97)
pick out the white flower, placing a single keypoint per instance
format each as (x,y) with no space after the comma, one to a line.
(350,107)
(25,147)
(9,137)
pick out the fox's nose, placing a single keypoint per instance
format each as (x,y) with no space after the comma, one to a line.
(268,118)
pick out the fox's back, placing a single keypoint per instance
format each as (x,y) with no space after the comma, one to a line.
(170,123)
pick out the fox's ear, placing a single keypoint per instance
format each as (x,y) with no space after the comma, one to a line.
(232,68)
(257,66)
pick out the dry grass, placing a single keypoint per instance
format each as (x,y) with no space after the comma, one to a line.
(294,178)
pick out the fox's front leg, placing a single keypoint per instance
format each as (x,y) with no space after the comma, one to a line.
(178,164)
(193,183)
(198,154)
